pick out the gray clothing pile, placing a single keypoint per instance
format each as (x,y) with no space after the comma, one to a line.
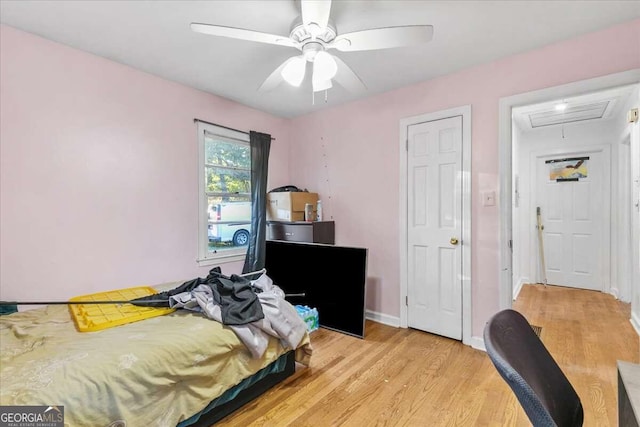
(281,320)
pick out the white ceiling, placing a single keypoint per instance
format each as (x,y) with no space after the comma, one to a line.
(602,105)
(154,36)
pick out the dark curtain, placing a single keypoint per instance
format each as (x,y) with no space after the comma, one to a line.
(260,145)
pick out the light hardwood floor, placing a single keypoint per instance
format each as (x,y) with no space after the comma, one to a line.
(405,377)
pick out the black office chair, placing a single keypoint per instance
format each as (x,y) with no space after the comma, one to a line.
(544,392)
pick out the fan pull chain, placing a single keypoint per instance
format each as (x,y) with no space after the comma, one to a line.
(313,97)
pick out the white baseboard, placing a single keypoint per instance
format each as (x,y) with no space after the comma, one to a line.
(385,319)
(474,342)
(635,322)
(518,287)
(477,343)
(614,291)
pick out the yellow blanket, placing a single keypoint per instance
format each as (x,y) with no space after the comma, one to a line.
(158,371)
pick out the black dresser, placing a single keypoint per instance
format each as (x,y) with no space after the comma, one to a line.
(302,231)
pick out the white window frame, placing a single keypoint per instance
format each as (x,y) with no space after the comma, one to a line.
(206,258)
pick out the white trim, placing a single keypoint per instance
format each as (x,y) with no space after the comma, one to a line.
(505,168)
(465,112)
(625,136)
(634,292)
(221,259)
(635,322)
(614,292)
(385,319)
(205,258)
(621,280)
(518,288)
(477,343)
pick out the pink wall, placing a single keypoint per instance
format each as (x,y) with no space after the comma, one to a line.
(98,164)
(350,154)
(98,171)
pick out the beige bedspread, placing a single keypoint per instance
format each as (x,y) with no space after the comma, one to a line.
(155,372)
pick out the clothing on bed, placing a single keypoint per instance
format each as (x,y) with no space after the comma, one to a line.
(234,295)
(280,318)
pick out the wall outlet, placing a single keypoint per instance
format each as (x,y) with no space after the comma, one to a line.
(632,116)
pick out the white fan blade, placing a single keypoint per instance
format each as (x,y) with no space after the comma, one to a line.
(315,11)
(275,78)
(347,78)
(239,33)
(383,38)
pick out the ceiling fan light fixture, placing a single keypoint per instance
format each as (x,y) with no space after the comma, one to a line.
(313,33)
(324,66)
(314,29)
(293,72)
(320,85)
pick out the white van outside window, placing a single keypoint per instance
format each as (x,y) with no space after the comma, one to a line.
(236,228)
(225,194)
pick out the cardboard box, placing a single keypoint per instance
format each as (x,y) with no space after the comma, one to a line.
(289,205)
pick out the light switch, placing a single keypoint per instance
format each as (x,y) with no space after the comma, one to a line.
(489,198)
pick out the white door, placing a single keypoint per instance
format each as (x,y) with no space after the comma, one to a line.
(434,227)
(572,217)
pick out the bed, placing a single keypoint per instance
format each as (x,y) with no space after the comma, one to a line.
(180,369)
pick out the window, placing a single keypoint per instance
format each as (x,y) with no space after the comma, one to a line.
(225,194)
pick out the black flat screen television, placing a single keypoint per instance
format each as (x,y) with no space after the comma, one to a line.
(331,277)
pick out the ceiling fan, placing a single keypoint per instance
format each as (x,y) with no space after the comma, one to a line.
(314,34)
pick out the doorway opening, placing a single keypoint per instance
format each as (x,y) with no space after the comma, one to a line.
(588,225)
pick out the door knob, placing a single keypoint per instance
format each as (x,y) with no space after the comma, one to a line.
(453,241)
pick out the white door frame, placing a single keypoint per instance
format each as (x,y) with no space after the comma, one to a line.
(465,112)
(621,281)
(505,168)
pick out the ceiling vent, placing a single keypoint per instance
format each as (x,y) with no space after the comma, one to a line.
(573,113)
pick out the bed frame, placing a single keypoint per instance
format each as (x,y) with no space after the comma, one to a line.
(244,393)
